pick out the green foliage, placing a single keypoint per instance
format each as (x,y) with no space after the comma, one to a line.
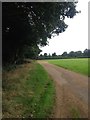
(31,52)
(77,65)
(30,24)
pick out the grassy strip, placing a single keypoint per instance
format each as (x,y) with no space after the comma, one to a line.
(28,92)
(74,112)
(76,65)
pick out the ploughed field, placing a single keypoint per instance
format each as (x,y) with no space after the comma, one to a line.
(80,65)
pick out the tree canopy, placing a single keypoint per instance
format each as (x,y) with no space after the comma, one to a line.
(28,24)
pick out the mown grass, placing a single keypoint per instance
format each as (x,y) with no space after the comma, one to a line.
(28,91)
(76,65)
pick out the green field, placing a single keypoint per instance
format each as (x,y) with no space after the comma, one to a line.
(76,65)
(28,91)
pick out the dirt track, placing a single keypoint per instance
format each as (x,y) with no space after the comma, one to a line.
(71,92)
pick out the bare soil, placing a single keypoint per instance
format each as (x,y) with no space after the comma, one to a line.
(71,92)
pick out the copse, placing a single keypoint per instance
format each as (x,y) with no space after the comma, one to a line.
(28,24)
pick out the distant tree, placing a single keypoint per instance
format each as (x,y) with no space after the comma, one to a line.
(41,55)
(45,54)
(71,54)
(64,54)
(85,53)
(89,53)
(54,54)
(78,54)
(49,55)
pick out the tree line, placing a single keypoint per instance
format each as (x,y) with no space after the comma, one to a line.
(26,25)
(65,55)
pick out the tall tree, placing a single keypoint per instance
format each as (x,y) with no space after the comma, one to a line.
(31,23)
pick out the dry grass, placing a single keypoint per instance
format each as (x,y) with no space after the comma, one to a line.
(13,83)
(28,91)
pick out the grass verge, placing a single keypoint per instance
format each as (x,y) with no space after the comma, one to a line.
(75,113)
(28,91)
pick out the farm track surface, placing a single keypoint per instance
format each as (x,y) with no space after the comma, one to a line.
(71,92)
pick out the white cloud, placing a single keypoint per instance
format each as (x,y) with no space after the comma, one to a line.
(75,37)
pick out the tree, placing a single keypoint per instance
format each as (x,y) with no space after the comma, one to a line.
(45,54)
(88,53)
(85,53)
(65,54)
(71,54)
(54,54)
(31,52)
(78,54)
(49,55)
(41,55)
(30,24)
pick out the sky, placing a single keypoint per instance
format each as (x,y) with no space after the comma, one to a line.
(75,37)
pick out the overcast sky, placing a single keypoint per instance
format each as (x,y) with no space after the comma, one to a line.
(76,35)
